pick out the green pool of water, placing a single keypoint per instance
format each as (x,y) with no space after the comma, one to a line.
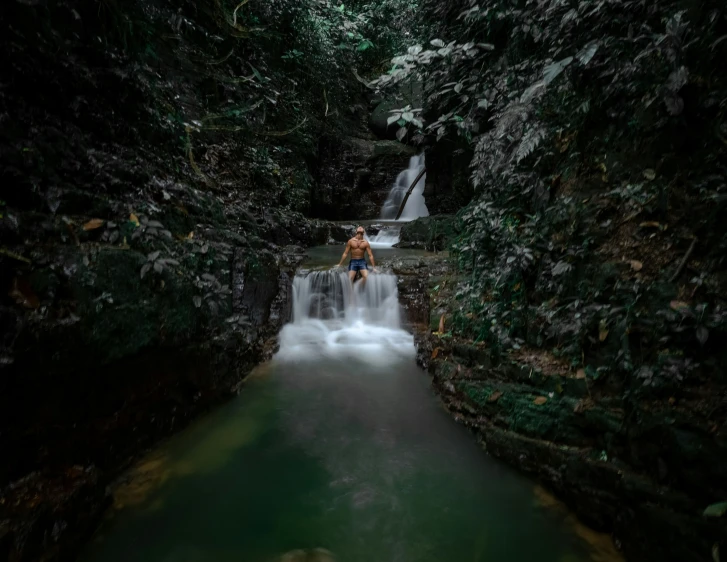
(334,454)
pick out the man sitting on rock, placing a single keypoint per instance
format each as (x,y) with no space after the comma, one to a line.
(357,246)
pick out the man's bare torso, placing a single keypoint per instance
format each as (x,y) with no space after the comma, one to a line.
(358,248)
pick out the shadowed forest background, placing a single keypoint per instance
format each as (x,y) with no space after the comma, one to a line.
(164,165)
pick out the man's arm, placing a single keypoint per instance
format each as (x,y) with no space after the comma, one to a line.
(371,255)
(345,253)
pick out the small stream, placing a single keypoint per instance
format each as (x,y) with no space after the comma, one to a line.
(336,444)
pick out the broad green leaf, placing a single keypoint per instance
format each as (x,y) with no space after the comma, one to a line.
(716,510)
(393,118)
(552,71)
(401,133)
(437,43)
(587,53)
(407,116)
(256,72)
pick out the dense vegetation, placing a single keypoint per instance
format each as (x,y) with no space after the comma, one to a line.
(161,161)
(596,131)
(593,246)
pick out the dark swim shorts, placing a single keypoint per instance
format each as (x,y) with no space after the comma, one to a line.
(357,265)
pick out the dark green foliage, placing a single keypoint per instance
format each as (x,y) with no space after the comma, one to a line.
(597,130)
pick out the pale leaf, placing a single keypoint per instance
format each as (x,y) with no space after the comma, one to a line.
(716,510)
(93,224)
(702,334)
(552,71)
(587,53)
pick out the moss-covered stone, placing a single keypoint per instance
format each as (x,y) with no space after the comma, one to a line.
(429,233)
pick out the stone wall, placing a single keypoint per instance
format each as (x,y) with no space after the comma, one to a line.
(355,176)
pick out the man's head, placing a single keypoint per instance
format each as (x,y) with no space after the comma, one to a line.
(359,232)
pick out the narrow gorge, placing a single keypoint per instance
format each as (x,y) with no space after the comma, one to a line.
(536,369)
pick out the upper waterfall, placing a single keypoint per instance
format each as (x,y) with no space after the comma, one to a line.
(415,205)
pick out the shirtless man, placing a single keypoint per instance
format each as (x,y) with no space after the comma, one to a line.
(357,246)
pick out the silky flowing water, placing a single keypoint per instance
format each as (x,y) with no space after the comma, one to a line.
(339,444)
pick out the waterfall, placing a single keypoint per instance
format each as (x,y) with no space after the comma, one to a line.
(330,295)
(415,205)
(332,316)
(386,237)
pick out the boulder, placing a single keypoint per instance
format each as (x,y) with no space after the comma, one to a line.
(427,233)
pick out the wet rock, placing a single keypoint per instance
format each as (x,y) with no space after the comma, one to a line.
(427,233)
(415,274)
(414,299)
(51,514)
(355,176)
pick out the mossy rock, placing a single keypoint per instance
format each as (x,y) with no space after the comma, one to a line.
(429,233)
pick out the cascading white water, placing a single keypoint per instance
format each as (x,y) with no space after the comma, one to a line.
(385,238)
(333,317)
(415,205)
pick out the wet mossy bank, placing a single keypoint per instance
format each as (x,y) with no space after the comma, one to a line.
(645,468)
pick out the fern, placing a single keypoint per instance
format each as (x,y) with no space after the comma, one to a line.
(529,142)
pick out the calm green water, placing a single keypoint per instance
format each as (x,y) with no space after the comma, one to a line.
(332,453)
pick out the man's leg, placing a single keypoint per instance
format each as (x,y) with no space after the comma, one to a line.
(364,274)
(351,275)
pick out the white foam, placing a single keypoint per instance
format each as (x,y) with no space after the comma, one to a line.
(332,318)
(386,238)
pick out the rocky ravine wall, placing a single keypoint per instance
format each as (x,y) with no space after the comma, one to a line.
(149,227)
(356,175)
(644,475)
